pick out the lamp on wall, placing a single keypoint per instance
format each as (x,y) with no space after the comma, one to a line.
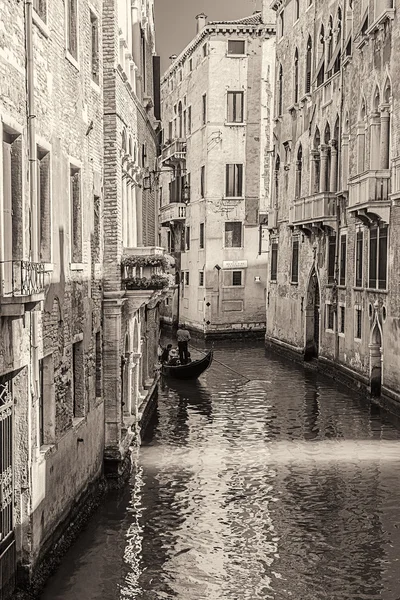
(186,193)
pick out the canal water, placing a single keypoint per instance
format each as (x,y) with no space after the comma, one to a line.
(260,482)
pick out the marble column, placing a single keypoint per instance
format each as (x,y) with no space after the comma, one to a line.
(333,182)
(361,147)
(299,165)
(314,172)
(323,176)
(385,137)
(375,132)
(345,162)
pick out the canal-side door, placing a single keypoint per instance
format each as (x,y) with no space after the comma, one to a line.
(375,361)
(7,537)
(312,319)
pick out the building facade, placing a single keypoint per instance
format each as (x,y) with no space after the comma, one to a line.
(214,186)
(133,263)
(51,408)
(334,218)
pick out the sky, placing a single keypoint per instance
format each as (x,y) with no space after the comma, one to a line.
(176,24)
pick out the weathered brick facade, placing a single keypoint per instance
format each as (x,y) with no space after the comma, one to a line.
(131,326)
(336,189)
(58,408)
(223,282)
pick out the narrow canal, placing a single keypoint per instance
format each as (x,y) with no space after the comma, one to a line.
(285,486)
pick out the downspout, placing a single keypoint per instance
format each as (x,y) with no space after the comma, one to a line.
(33,241)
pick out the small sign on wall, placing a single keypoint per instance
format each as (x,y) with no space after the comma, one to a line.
(234,264)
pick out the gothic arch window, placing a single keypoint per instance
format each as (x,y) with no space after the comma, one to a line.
(277,175)
(308,65)
(180,120)
(299,171)
(315,171)
(321,57)
(296,77)
(123,141)
(280,90)
(361,129)
(330,46)
(386,126)
(325,184)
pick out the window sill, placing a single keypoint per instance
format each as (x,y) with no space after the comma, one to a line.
(47,449)
(341,334)
(40,24)
(295,283)
(358,340)
(272,280)
(233,287)
(77,266)
(341,286)
(377,291)
(236,55)
(329,331)
(229,124)
(233,198)
(358,288)
(233,248)
(72,60)
(48,267)
(95,86)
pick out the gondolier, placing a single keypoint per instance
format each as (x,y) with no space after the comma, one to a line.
(183,337)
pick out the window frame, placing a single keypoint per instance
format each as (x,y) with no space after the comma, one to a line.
(233,272)
(201,235)
(329,317)
(295,245)
(94,23)
(77,167)
(42,15)
(238,180)
(234,121)
(342,259)
(358,324)
(233,223)
(235,54)
(274,261)
(377,266)
(359,259)
(201,278)
(70,55)
(44,159)
(330,259)
(202,181)
(204,109)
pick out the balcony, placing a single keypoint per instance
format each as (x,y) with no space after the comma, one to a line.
(144,275)
(174,151)
(22,286)
(314,211)
(175,211)
(369,196)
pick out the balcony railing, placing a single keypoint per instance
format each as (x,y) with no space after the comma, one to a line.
(174,151)
(312,209)
(21,278)
(176,211)
(369,188)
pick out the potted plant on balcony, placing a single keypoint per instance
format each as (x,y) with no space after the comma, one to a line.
(154,260)
(155,282)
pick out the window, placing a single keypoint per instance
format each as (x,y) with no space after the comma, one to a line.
(321,55)
(295,261)
(201,278)
(233,234)
(274,260)
(201,239)
(296,10)
(358,332)
(72,27)
(189,120)
(76,214)
(204,50)
(331,258)
(235,107)
(46,416)
(280,91)
(342,319)
(233,278)
(308,65)
(342,270)
(236,47)
(299,171)
(187,238)
(296,77)
(234,181)
(378,257)
(202,181)
(94,23)
(40,7)
(191,65)
(330,317)
(98,362)
(187,277)
(78,380)
(44,204)
(204,109)
(359,258)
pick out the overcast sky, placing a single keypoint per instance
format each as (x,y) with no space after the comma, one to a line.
(176,24)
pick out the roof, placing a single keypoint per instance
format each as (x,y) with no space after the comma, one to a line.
(254,19)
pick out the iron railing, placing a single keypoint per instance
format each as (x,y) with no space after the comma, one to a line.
(8,571)
(22,278)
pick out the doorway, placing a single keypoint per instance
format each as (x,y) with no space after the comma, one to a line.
(312,318)
(375,361)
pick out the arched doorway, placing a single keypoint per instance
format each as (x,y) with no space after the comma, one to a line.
(312,318)
(375,360)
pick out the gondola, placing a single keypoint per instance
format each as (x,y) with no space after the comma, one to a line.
(191,371)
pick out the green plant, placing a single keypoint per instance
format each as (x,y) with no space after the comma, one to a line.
(155,282)
(148,260)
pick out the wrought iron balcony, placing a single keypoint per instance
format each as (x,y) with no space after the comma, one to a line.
(313,210)
(369,195)
(22,278)
(174,151)
(175,211)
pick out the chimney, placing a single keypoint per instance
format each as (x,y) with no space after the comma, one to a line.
(201,22)
(268,15)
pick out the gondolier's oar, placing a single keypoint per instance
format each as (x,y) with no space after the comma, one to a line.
(222,364)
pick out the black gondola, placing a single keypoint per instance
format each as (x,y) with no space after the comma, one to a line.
(191,371)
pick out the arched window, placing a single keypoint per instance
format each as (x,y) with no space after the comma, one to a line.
(277,174)
(123,141)
(338,46)
(386,126)
(296,77)
(280,90)
(180,120)
(299,171)
(326,161)
(330,46)
(308,65)
(321,57)
(315,166)
(361,162)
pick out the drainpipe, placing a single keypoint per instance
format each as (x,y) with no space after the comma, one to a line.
(33,245)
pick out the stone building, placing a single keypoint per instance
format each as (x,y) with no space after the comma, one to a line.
(217,126)
(133,282)
(51,408)
(333,289)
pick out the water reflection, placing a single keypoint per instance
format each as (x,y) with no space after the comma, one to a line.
(284,486)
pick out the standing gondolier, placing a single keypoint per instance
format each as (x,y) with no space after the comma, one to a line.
(183,337)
